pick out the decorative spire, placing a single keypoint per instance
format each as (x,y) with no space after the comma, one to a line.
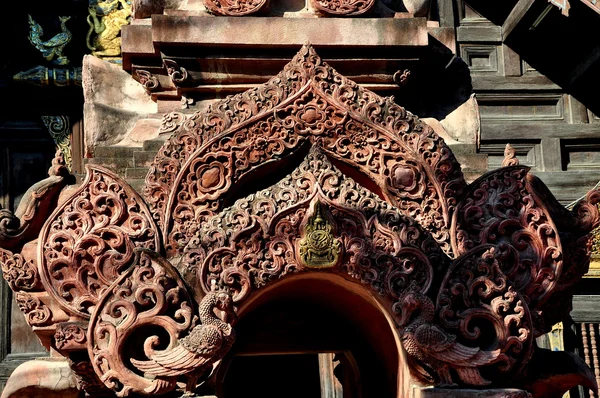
(510,156)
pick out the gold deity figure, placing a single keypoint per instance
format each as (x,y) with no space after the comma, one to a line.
(106,18)
(318,247)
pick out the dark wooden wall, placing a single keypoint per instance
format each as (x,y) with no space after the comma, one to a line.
(26,150)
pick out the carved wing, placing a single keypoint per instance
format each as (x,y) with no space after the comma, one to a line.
(57,40)
(175,362)
(441,346)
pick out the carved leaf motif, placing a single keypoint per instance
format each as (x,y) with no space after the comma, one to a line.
(500,209)
(89,241)
(148,306)
(18,272)
(480,305)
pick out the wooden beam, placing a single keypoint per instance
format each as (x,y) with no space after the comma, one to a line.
(506,131)
(515,16)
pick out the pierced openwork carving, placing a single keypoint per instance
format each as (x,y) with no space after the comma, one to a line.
(89,240)
(147,309)
(500,208)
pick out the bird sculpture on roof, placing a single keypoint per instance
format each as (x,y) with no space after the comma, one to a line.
(52,49)
(195,353)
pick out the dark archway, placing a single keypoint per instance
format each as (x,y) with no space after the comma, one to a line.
(300,318)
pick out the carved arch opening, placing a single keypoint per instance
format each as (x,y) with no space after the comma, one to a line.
(319,313)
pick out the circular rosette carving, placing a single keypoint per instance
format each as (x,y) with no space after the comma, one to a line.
(311,115)
(234,8)
(406,179)
(89,240)
(501,209)
(481,306)
(343,7)
(147,308)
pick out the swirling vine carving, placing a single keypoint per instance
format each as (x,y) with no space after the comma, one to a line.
(499,208)
(147,308)
(89,240)
(20,273)
(480,305)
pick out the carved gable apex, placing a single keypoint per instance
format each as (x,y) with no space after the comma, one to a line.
(308,102)
(367,235)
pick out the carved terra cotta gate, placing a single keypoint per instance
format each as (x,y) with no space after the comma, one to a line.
(143,294)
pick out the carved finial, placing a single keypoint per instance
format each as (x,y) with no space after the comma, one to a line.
(59,166)
(510,156)
(401,77)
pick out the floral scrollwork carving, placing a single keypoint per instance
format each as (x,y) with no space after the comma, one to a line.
(343,7)
(147,80)
(501,209)
(170,122)
(263,237)
(235,8)
(70,336)
(20,273)
(147,309)
(36,312)
(177,74)
(479,304)
(308,101)
(89,240)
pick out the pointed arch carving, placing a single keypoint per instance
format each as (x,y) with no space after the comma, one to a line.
(308,102)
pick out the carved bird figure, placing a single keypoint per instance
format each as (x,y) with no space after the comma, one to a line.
(436,347)
(193,354)
(53,47)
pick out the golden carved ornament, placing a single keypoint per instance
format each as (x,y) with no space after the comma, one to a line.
(106,19)
(318,247)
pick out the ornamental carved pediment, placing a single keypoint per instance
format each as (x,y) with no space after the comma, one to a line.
(308,174)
